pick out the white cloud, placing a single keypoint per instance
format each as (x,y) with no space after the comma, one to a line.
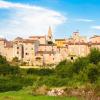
(26,20)
(84,20)
(96,27)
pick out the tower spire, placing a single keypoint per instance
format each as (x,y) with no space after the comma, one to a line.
(49,32)
(49,35)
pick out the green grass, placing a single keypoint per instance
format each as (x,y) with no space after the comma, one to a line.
(22,95)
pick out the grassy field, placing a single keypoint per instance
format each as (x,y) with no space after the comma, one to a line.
(22,95)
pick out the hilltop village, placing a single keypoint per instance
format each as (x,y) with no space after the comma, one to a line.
(41,50)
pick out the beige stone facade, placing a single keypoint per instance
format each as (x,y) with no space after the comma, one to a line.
(36,50)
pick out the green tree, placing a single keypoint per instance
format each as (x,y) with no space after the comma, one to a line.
(80,64)
(93,73)
(94,55)
(3,60)
(64,69)
(6,68)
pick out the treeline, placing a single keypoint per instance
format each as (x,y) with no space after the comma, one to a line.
(83,70)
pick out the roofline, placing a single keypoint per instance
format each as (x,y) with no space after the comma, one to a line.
(94,36)
(59,39)
(37,36)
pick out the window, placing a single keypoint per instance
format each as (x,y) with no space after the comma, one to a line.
(26,53)
(17,47)
(71,58)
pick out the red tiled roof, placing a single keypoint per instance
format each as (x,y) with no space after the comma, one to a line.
(9,44)
(25,41)
(37,37)
(2,39)
(29,41)
(95,36)
(77,43)
(18,39)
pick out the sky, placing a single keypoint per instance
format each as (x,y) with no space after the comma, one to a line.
(25,18)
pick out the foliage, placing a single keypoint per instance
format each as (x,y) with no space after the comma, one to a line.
(64,69)
(93,73)
(9,70)
(94,56)
(40,71)
(79,72)
(10,77)
(15,59)
(3,60)
(14,83)
(80,64)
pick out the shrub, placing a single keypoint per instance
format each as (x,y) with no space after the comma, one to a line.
(94,55)
(52,81)
(3,60)
(93,73)
(80,64)
(9,70)
(14,83)
(64,69)
(40,71)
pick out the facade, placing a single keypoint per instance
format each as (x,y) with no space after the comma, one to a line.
(95,39)
(41,50)
(60,42)
(41,39)
(6,49)
(25,49)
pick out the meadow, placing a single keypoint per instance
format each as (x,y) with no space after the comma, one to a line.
(23,95)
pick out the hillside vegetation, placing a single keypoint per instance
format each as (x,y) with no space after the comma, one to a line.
(84,72)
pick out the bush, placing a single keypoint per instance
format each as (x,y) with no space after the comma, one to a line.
(14,83)
(52,81)
(64,69)
(94,56)
(80,64)
(9,85)
(93,73)
(9,70)
(40,71)
(3,60)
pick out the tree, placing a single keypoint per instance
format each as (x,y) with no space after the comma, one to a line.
(6,68)
(94,55)
(80,64)
(3,60)
(93,73)
(64,69)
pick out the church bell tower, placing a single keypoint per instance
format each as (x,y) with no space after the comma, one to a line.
(49,36)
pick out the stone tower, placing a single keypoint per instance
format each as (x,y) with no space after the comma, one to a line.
(49,36)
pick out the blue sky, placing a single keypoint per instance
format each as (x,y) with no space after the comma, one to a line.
(33,17)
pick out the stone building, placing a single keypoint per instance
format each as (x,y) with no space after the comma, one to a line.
(40,50)
(25,49)
(6,48)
